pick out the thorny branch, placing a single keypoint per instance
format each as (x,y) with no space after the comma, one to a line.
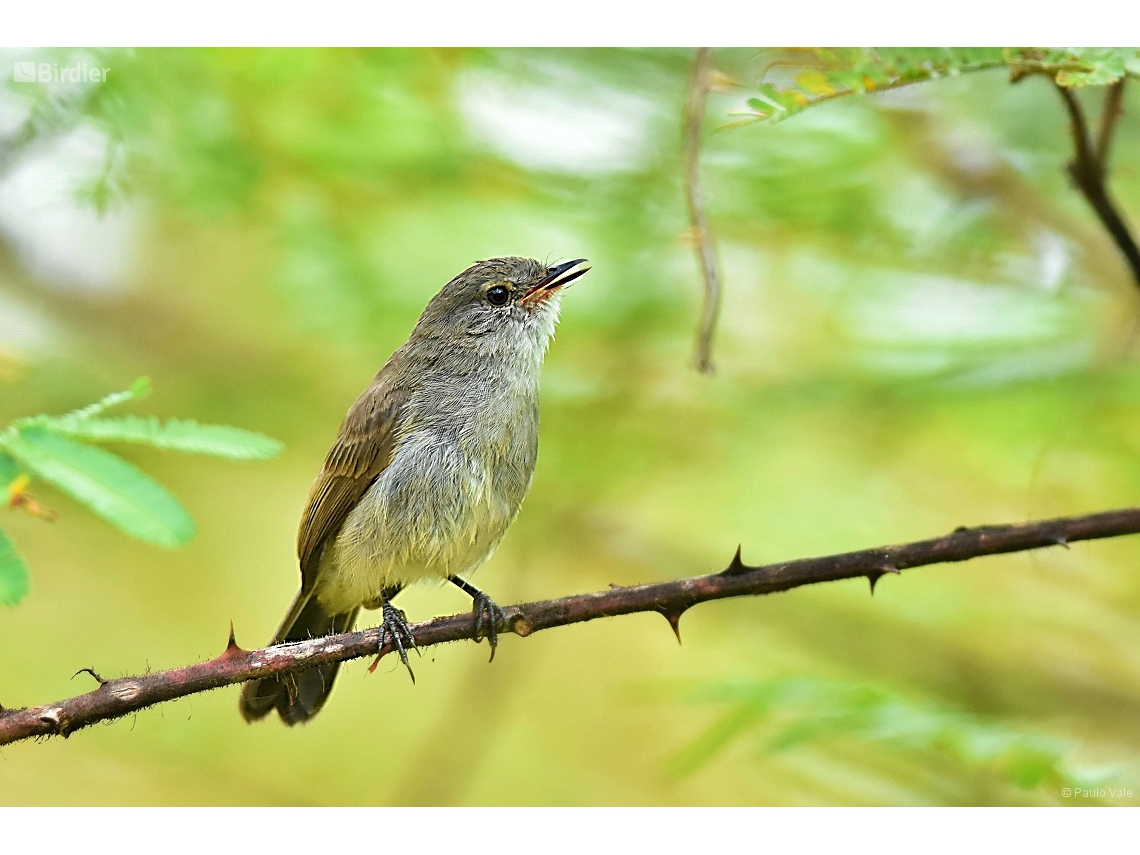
(699,84)
(1089,166)
(119,697)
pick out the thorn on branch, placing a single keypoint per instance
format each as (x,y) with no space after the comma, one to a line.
(1061,540)
(674,618)
(129,694)
(90,671)
(232,648)
(736,566)
(879,572)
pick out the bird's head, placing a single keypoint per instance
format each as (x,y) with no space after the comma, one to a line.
(503,301)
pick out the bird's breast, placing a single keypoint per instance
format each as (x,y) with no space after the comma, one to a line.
(459,472)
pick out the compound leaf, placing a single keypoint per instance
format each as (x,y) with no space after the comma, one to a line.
(111,487)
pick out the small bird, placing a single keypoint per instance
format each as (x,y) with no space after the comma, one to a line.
(427,472)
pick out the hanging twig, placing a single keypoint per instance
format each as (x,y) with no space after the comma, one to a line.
(117,698)
(1089,167)
(1110,112)
(698,222)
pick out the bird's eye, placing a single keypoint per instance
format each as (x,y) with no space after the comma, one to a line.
(498,295)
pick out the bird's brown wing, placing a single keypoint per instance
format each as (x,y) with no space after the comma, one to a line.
(363,449)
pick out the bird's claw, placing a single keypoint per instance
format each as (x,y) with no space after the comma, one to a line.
(394,629)
(489,619)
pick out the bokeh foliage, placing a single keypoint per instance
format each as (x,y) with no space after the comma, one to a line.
(924,327)
(56,449)
(794,711)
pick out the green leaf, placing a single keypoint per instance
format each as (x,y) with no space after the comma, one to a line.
(1091,66)
(13,573)
(111,487)
(828,73)
(139,389)
(9,470)
(762,109)
(174,435)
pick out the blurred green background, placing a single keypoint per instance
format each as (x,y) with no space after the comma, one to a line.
(924,326)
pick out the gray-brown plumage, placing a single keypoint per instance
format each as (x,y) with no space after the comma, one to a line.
(428,470)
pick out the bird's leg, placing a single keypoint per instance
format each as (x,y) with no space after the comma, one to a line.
(394,627)
(489,618)
(387,593)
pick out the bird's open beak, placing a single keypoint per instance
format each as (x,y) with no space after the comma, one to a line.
(556,277)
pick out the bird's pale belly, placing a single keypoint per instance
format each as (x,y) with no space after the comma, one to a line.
(433,513)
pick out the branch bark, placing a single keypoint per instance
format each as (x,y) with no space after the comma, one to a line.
(117,698)
(1089,167)
(694,119)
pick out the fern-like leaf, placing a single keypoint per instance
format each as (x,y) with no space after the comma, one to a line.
(172,435)
(826,74)
(139,389)
(111,487)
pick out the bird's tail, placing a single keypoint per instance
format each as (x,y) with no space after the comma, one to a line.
(299,696)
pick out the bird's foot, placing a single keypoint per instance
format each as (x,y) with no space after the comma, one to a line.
(489,619)
(394,629)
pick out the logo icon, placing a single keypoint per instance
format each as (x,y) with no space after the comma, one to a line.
(25,72)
